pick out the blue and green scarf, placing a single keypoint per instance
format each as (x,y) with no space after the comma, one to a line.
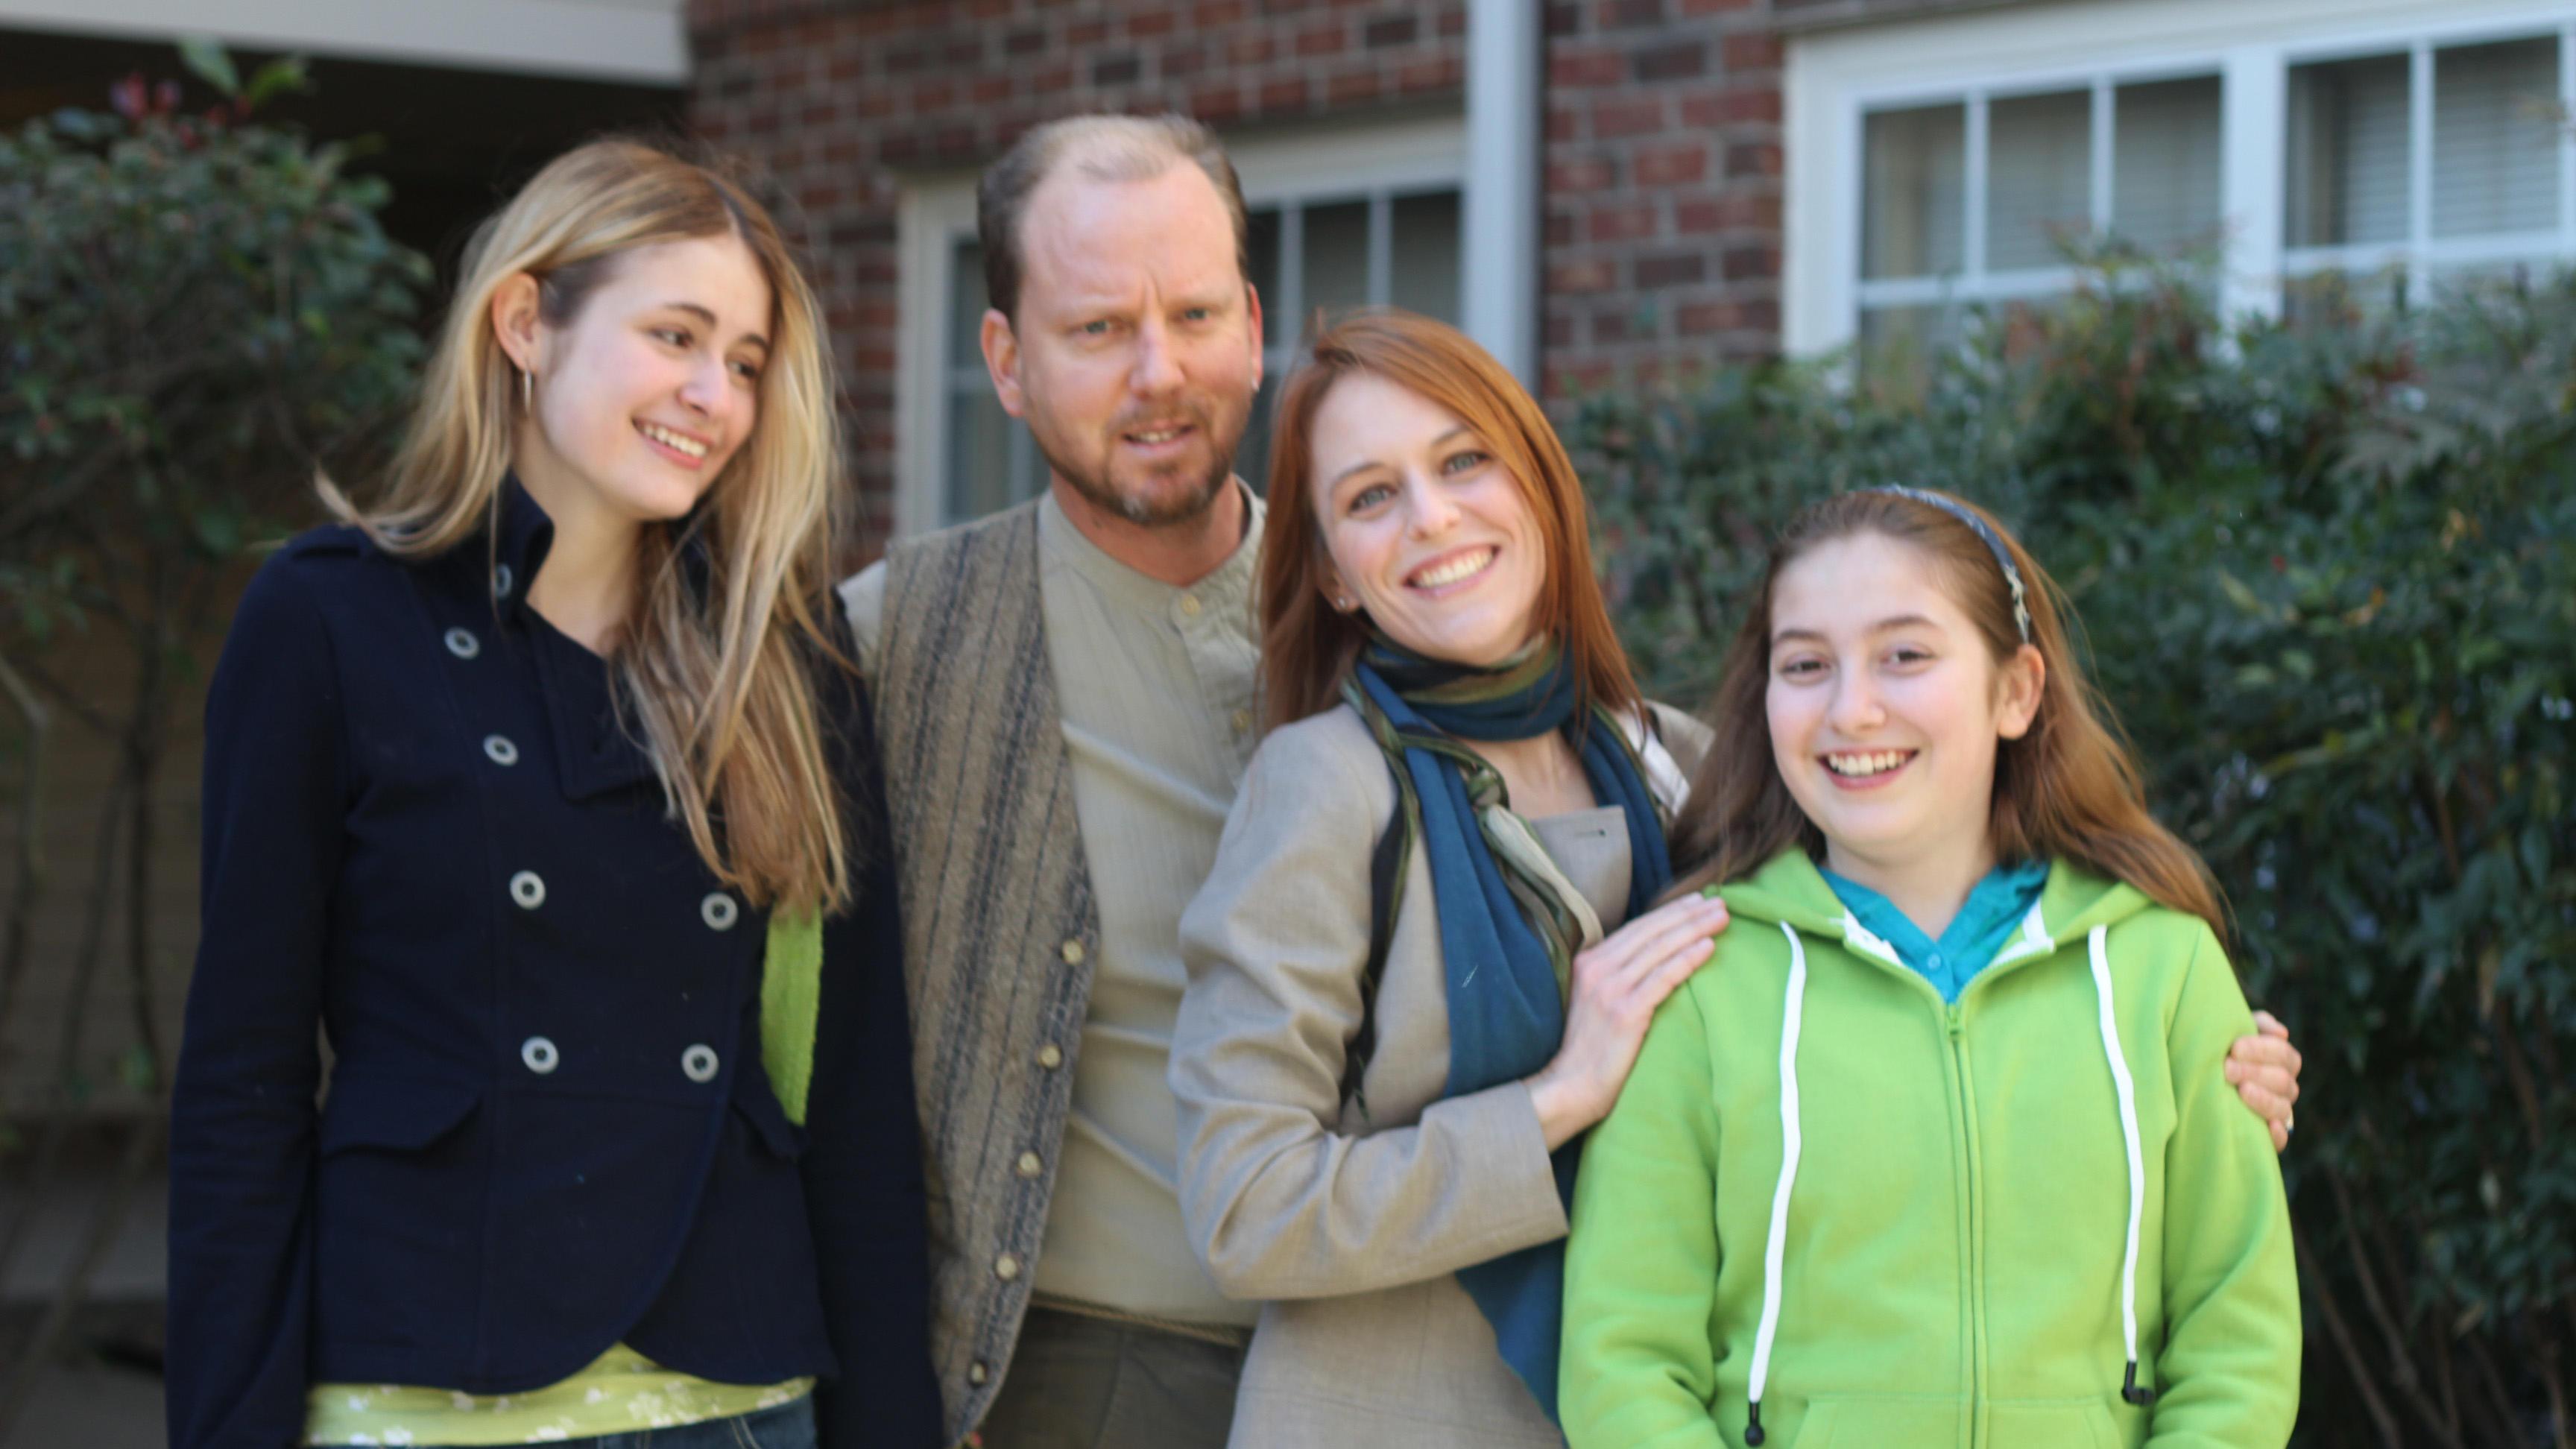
(1507,940)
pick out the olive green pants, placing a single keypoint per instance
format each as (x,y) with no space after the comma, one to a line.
(1078,1382)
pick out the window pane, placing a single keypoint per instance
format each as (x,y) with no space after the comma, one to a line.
(2495,138)
(2039,167)
(1912,175)
(1261,249)
(966,306)
(1336,270)
(2164,164)
(2348,152)
(1252,456)
(1426,255)
(980,437)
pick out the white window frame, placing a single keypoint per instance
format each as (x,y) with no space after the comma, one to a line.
(1375,164)
(1835,78)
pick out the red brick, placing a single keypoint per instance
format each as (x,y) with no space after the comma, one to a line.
(1698,319)
(1183,62)
(1613,324)
(1672,62)
(1624,221)
(1448,73)
(1328,39)
(1083,34)
(1217,104)
(1390,30)
(1591,275)
(1748,263)
(1288,93)
(1213,13)
(1254,49)
(1617,116)
(1628,14)
(1564,124)
(1735,105)
(1592,173)
(1752,50)
(1671,269)
(1675,164)
(1152,23)
(1354,88)
(1453,22)
(1753,158)
(1569,66)
(1693,9)
(1732,212)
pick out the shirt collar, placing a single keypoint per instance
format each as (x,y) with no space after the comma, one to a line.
(1227,587)
(519,546)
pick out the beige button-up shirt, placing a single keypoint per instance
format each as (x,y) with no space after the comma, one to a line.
(1155,686)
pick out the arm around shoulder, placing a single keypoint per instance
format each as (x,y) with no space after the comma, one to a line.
(2229,1372)
(1281,1202)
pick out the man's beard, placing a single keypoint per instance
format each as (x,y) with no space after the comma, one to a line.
(1152,511)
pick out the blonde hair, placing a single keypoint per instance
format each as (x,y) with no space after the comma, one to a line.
(1100,148)
(713,662)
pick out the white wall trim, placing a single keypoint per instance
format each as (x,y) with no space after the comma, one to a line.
(1499,220)
(1833,76)
(937,211)
(642,41)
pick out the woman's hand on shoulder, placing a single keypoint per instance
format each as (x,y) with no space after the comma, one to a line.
(2264,1069)
(1618,983)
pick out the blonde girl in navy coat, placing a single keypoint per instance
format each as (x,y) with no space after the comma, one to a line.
(506,775)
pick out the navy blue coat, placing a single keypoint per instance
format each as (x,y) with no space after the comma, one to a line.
(547,1128)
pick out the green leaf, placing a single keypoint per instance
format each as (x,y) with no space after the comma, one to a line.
(278,77)
(206,57)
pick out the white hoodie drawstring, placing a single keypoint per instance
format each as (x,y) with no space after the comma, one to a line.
(2130,1389)
(1778,1238)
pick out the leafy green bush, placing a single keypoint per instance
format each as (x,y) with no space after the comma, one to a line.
(2329,578)
(196,310)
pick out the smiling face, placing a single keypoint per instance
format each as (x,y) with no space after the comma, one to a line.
(1137,345)
(1886,705)
(1423,528)
(652,385)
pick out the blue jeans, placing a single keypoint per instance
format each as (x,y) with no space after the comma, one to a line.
(788,1426)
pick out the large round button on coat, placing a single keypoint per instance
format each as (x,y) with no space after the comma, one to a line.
(540,1055)
(1030,1165)
(1006,1267)
(500,750)
(719,911)
(698,1063)
(1050,1056)
(527,890)
(463,644)
(978,1371)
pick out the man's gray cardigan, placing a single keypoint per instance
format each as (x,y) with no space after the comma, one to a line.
(999,925)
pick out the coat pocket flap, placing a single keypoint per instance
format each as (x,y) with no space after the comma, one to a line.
(402,1116)
(769,1123)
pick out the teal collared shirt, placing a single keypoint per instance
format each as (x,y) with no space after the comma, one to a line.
(1992,912)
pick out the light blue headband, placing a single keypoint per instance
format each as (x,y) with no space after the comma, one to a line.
(1994,544)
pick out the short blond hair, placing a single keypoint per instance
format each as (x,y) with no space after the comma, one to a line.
(1100,148)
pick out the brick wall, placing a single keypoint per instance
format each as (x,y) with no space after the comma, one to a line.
(839,99)
(1663,187)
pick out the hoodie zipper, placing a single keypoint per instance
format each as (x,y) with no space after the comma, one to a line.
(1972,1221)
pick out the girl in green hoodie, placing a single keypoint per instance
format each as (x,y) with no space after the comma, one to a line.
(1937,1149)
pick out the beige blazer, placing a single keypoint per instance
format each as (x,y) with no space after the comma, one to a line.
(1353,1228)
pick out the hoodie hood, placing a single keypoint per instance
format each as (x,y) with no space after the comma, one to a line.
(1790,891)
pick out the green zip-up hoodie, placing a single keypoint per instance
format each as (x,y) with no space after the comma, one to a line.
(1948,1262)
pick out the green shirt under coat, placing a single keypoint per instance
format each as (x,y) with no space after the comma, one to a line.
(1952,1264)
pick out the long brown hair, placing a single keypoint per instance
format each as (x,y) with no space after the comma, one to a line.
(2068,789)
(715,672)
(1307,647)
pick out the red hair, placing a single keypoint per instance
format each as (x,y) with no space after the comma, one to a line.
(1307,647)
(2068,789)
